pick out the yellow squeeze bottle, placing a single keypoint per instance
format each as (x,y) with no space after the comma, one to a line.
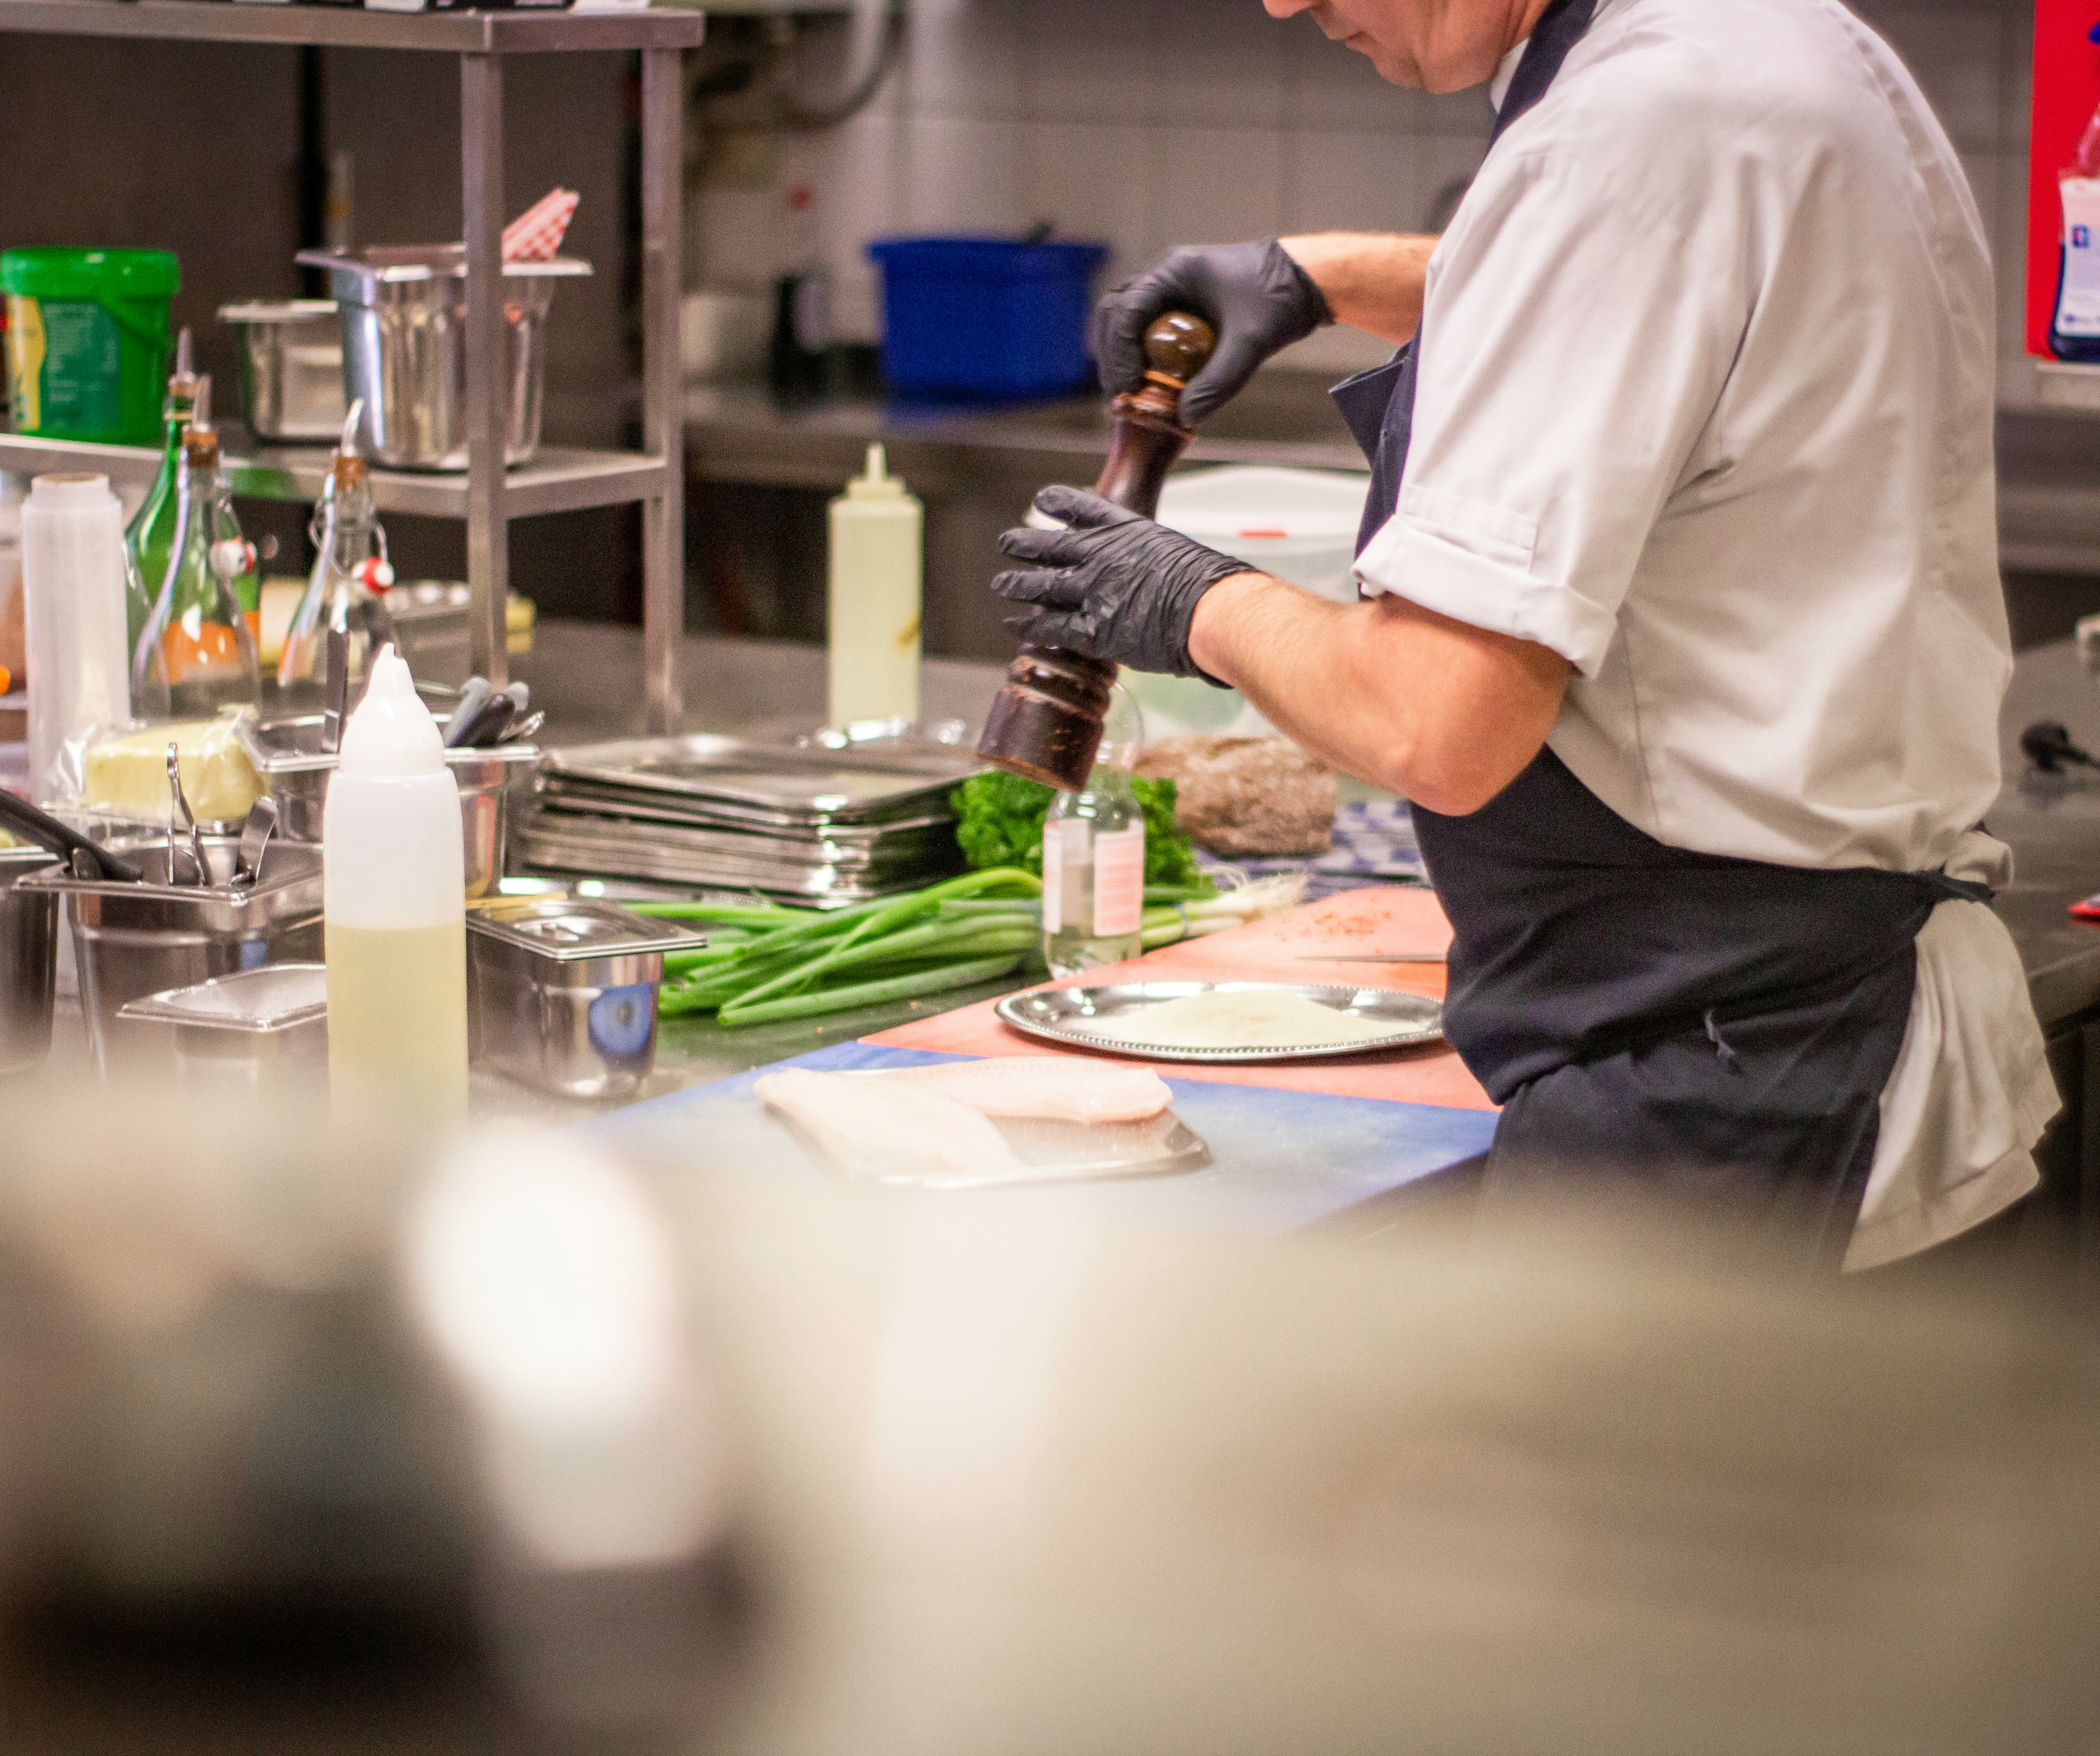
(393,891)
(877,572)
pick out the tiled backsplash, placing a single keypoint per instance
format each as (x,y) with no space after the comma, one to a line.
(1147,123)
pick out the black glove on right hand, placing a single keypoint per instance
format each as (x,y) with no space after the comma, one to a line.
(1254,295)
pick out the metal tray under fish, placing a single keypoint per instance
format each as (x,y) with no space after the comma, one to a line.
(772,784)
(1065,1152)
(1085,1018)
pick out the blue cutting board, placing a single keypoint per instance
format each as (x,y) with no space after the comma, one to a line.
(1279,1158)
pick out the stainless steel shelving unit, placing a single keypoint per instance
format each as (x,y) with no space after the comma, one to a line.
(488,497)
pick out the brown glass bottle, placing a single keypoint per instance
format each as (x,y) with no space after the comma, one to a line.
(1045,723)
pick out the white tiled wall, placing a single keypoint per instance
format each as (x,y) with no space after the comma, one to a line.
(1146,123)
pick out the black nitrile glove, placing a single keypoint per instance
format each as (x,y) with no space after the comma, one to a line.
(1254,295)
(1112,585)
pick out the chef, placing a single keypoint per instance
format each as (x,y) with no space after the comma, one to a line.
(1680,620)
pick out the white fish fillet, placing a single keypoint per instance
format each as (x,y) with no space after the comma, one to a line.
(884,1131)
(1044,1088)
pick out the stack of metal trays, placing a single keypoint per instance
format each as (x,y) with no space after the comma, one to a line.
(829,820)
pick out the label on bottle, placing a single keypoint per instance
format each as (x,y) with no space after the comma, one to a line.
(1060,839)
(1119,883)
(2078,299)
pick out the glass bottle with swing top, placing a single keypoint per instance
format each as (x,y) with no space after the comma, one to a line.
(198,634)
(346,589)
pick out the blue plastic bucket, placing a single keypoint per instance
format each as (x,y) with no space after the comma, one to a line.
(986,317)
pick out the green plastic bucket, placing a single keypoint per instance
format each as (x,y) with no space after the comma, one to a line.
(88,341)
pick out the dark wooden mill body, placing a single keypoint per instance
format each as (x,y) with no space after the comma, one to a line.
(1045,723)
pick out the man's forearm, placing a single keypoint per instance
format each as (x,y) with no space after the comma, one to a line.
(1371,281)
(1441,712)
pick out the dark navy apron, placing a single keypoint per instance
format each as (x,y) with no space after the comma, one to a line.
(1711,1028)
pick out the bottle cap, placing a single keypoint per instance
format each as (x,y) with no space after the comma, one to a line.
(878,484)
(348,469)
(391,735)
(68,488)
(200,438)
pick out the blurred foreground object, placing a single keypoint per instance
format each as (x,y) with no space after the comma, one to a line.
(347,1445)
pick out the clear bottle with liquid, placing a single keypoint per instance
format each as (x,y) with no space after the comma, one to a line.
(1093,856)
(199,631)
(351,573)
(394,907)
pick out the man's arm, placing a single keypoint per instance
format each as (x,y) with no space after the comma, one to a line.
(1436,710)
(1371,281)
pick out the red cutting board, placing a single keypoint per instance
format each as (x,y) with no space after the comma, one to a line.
(1385,919)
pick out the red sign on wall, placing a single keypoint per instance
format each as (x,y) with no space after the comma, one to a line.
(2067,95)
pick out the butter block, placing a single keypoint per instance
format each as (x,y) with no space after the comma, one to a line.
(127,775)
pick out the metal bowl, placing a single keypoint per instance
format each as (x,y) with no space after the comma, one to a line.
(404,348)
(287,753)
(131,940)
(291,367)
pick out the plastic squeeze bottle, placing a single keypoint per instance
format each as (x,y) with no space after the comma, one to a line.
(877,565)
(394,895)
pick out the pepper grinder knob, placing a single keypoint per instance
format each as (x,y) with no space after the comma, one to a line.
(1176,347)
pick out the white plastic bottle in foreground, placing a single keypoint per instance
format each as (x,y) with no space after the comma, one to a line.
(877,576)
(73,602)
(394,895)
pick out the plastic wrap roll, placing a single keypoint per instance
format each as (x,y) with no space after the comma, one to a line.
(72,589)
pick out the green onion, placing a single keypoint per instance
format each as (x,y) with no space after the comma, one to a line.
(940,980)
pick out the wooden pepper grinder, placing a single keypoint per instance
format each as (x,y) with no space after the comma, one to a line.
(1045,723)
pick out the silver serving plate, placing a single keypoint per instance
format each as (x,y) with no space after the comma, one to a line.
(1084,1018)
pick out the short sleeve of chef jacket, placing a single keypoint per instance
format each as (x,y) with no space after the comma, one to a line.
(1582,314)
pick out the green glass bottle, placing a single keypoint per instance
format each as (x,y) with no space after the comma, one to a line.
(150,534)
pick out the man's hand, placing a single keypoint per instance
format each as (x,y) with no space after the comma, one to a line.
(1257,298)
(1111,584)
(1443,713)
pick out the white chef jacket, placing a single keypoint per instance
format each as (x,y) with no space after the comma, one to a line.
(1706,407)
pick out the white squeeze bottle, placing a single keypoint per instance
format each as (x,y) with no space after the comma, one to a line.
(394,894)
(877,570)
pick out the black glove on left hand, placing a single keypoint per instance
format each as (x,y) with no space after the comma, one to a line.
(1113,585)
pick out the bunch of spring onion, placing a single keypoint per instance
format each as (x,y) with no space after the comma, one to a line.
(764,964)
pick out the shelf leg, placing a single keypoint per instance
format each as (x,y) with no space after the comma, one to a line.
(488,534)
(664,513)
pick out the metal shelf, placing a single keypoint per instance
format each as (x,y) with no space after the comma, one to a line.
(488,497)
(558,480)
(349,27)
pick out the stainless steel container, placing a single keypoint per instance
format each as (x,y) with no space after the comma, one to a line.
(291,367)
(130,941)
(287,753)
(240,1035)
(403,322)
(28,961)
(562,992)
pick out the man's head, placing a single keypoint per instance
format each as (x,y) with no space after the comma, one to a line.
(1431,45)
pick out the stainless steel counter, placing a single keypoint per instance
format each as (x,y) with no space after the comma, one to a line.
(2048,463)
(585,675)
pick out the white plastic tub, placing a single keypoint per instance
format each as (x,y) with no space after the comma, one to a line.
(1298,524)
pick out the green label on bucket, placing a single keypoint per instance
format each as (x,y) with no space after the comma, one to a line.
(83,392)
